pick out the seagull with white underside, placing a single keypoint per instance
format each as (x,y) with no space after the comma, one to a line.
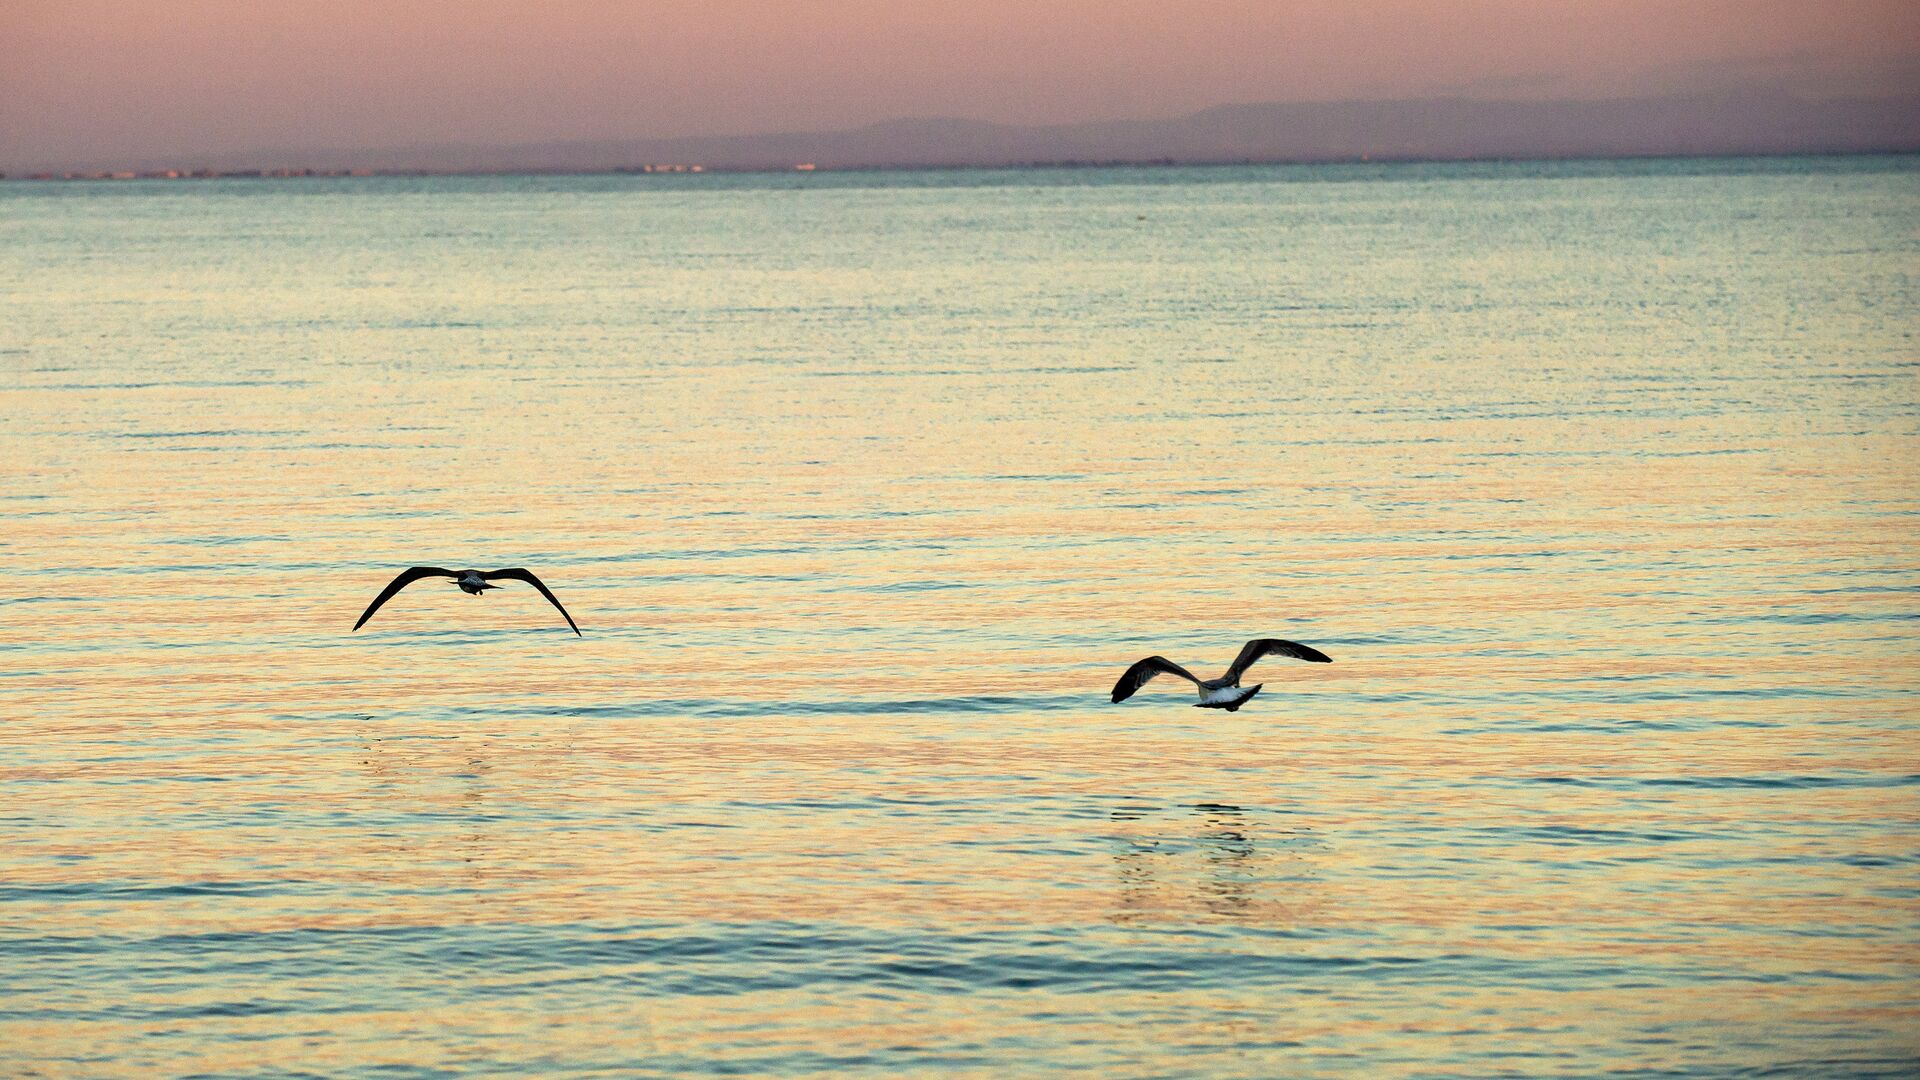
(1224,692)
(472,582)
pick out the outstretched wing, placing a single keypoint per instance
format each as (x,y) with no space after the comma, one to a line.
(406,578)
(1137,676)
(517,574)
(1259,647)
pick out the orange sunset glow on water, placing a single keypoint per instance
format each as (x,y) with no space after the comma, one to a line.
(863,491)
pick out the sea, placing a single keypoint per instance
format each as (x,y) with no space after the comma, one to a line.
(1598,481)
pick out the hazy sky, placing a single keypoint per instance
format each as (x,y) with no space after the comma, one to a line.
(107,79)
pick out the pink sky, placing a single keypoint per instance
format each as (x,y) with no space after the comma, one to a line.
(102,79)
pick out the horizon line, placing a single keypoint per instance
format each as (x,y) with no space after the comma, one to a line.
(808,168)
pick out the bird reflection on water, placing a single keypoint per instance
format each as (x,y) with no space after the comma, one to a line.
(1216,858)
(461,833)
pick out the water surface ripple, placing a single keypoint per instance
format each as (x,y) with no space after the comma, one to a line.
(1600,482)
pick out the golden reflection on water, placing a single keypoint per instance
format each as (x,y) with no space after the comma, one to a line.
(1619,727)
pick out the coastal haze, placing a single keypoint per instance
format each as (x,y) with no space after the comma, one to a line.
(1761,121)
(1596,480)
(103,85)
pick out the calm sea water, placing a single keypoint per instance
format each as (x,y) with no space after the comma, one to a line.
(1601,484)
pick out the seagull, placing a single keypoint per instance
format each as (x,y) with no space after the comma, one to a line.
(1223,692)
(472,582)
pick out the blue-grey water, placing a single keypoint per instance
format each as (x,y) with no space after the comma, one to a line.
(1600,483)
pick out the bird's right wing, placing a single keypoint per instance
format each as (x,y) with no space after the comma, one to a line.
(1259,647)
(518,573)
(406,578)
(1137,676)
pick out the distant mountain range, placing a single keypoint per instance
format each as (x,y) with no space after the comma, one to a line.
(1753,122)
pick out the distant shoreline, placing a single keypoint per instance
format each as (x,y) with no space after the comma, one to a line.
(1755,121)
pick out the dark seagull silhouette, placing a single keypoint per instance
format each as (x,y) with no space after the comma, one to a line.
(470,581)
(1224,692)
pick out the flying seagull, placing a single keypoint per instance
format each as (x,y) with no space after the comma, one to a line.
(1223,692)
(470,581)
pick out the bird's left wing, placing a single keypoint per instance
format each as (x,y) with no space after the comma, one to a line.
(1143,672)
(518,574)
(1259,647)
(406,578)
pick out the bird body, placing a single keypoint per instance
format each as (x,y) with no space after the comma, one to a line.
(1229,698)
(1224,692)
(471,582)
